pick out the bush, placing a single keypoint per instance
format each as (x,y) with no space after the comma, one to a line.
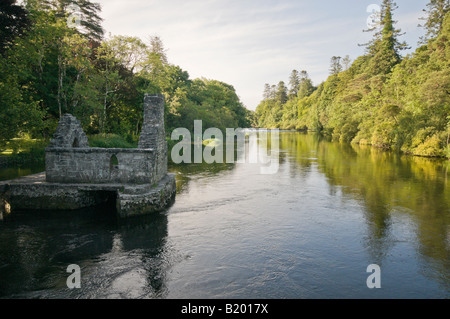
(431,147)
(25,151)
(447,151)
(34,156)
(383,136)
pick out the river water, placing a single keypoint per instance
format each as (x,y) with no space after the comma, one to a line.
(309,230)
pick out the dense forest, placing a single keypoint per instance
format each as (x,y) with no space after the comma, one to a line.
(56,59)
(381,98)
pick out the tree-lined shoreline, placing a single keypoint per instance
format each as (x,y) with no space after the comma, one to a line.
(51,64)
(56,59)
(381,98)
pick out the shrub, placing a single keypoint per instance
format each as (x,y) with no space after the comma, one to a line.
(25,151)
(430,147)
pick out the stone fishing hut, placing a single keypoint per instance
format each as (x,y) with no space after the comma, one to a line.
(78,176)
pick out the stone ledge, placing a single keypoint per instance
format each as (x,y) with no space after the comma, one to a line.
(34,193)
(157,199)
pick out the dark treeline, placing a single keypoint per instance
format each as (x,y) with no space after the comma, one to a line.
(55,59)
(381,98)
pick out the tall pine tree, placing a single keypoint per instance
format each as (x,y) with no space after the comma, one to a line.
(281,93)
(294,83)
(385,47)
(88,14)
(435,14)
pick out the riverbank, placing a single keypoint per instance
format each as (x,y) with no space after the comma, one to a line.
(23,152)
(429,149)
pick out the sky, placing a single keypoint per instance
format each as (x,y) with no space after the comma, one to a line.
(247,43)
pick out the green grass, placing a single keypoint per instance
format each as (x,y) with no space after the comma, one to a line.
(21,145)
(27,151)
(24,151)
(110,141)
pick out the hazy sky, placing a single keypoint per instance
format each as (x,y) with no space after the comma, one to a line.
(247,43)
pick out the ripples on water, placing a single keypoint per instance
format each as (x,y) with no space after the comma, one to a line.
(309,231)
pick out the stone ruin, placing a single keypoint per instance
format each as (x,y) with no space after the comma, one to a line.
(69,134)
(78,176)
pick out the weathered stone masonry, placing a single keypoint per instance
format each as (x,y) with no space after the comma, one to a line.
(99,165)
(78,176)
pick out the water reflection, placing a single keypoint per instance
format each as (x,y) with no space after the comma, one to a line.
(118,259)
(389,185)
(256,148)
(185,172)
(7,173)
(308,231)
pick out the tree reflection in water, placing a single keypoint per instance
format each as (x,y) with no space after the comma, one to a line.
(388,184)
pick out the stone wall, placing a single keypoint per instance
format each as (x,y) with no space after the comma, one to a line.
(131,203)
(69,133)
(69,159)
(100,165)
(54,197)
(153,134)
(79,176)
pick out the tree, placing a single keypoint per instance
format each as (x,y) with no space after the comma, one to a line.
(385,47)
(87,13)
(127,51)
(14,22)
(435,14)
(335,65)
(154,63)
(294,83)
(40,58)
(73,61)
(57,67)
(384,100)
(306,86)
(109,64)
(17,115)
(346,62)
(267,91)
(157,48)
(82,78)
(281,93)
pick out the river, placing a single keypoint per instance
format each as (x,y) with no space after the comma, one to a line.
(310,230)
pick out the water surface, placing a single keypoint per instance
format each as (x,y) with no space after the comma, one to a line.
(308,231)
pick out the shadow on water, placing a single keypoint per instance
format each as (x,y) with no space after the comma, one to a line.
(118,258)
(7,173)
